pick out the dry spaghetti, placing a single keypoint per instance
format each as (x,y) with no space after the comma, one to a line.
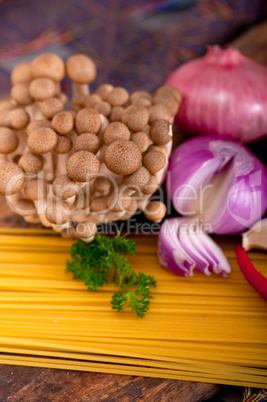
(200,329)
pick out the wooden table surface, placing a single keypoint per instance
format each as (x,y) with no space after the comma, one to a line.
(35,384)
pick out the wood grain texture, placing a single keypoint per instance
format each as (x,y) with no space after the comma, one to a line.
(35,384)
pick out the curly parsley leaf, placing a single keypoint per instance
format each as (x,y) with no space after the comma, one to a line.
(92,262)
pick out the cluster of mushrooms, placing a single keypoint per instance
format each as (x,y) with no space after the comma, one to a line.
(97,161)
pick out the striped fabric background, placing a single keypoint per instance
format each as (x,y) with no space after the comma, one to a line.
(118,34)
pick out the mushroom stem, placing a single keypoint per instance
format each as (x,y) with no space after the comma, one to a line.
(79,93)
(104,122)
(48,169)
(58,88)
(61,161)
(3,158)
(41,206)
(34,111)
(111,216)
(82,71)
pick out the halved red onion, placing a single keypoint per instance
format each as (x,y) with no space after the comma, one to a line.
(184,246)
(220,182)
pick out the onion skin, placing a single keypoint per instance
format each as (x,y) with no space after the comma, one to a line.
(224,93)
(237,202)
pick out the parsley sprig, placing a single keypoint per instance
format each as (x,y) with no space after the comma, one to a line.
(92,262)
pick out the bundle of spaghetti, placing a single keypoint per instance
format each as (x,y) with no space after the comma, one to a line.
(209,329)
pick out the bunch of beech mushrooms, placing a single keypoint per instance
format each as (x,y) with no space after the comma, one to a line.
(96,162)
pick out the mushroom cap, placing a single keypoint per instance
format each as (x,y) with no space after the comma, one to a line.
(64,145)
(25,207)
(57,212)
(92,100)
(158,112)
(88,121)
(68,233)
(142,101)
(141,140)
(137,180)
(20,93)
(152,185)
(133,207)
(51,106)
(103,108)
(87,142)
(99,204)
(102,184)
(35,189)
(48,65)
(119,202)
(33,125)
(103,91)
(31,163)
(42,140)
(7,105)
(155,211)
(169,100)
(135,117)
(81,69)
(141,94)
(63,187)
(122,157)
(166,90)
(118,96)
(19,119)
(116,131)
(154,161)
(159,132)
(42,88)
(159,148)
(32,218)
(8,140)
(83,166)
(11,178)
(21,73)
(86,229)
(63,122)
(116,113)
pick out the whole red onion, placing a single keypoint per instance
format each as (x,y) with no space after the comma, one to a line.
(224,93)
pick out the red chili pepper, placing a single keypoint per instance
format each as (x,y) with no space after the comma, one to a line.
(254,277)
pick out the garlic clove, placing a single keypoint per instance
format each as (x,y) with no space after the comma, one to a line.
(256,237)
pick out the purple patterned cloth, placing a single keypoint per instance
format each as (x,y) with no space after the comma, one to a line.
(127,52)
